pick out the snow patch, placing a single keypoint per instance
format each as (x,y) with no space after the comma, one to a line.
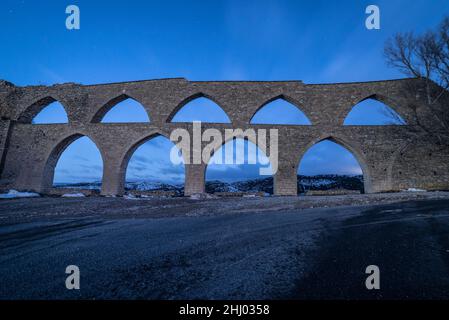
(16,194)
(73,195)
(202,196)
(415,190)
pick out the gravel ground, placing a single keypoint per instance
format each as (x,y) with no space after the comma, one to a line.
(319,253)
(31,209)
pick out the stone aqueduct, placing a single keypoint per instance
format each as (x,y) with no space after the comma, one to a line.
(392,157)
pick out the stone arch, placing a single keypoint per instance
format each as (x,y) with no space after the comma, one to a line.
(357,153)
(245,138)
(285,98)
(192,98)
(33,110)
(238,135)
(55,154)
(132,149)
(105,108)
(387,101)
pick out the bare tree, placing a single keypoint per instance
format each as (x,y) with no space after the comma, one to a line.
(392,117)
(425,57)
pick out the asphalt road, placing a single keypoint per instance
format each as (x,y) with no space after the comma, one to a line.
(307,254)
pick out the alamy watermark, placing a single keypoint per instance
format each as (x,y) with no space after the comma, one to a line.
(72,22)
(72,282)
(372,22)
(372,282)
(201,147)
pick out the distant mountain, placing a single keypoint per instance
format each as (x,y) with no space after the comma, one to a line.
(80,185)
(330,181)
(305,183)
(256,185)
(154,186)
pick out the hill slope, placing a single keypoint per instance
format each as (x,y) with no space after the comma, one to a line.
(305,183)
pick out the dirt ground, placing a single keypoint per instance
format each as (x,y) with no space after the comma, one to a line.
(30,209)
(226,248)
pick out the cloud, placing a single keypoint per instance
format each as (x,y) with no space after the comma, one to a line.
(141,159)
(82,158)
(91,167)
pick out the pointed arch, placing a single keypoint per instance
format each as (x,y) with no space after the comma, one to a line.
(37,107)
(56,153)
(119,102)
(246,161)
(165,174)
(355,152)
(199,107)
(373,110)
(54,113)
(280,110)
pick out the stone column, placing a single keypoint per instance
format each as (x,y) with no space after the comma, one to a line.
(377,182)
(4,141)
(194,179)
(113,178)
(376,173)
(285,181)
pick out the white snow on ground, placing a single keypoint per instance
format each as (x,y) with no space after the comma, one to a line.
(73,195)
(16,194)
(415,190)
(202,196)
(129,196)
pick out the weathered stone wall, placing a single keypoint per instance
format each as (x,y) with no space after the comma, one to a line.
(4,141)
(391,157)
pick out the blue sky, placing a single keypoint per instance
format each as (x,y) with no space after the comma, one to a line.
(313,41)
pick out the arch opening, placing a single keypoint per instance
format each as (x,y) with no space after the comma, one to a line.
(330,167)
(280,111)
(150,169)
(236,168)
(371,111)
(47,110)
(200,108)
(123,109)
(53,113)
(77,163)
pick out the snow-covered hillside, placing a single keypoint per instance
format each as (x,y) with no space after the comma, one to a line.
(305,183)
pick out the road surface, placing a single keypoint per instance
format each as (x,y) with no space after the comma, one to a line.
(319,253)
